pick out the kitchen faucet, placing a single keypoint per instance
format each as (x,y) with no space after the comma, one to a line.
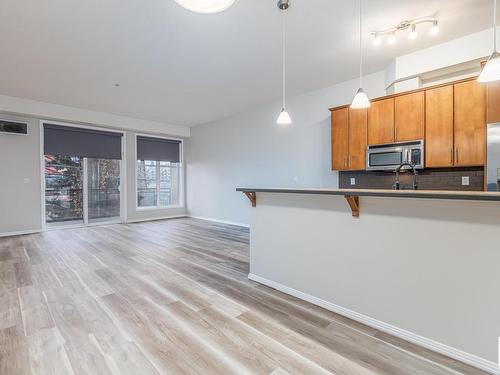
(397,185)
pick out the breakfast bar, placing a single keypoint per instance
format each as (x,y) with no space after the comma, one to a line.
(352,195)
(403,267)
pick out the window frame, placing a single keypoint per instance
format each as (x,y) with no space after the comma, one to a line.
(181,176)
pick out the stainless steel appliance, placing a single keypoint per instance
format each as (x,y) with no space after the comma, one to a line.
(390,156)
(493,158)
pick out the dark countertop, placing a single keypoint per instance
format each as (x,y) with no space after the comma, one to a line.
(423,194)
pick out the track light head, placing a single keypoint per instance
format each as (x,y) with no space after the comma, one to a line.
(413,33)
(283,4)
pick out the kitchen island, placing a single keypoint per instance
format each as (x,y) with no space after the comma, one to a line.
(424,266)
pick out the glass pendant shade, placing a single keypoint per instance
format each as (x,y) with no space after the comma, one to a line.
(491,71)
(360,100)
(284,118)
(205,6)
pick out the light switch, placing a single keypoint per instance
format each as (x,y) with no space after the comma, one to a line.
(26,180)
(353,181)
(465,181)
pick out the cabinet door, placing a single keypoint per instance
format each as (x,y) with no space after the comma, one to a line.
(339,139)
(439,127)
(409,113)
(470,123)
(493,102)
(357,139)
(381,122)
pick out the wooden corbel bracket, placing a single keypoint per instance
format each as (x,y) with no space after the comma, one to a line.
(252,196)
(354,204)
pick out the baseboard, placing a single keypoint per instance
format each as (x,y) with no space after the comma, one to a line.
(220,221)
(155,218)
(19,233)
(425,342)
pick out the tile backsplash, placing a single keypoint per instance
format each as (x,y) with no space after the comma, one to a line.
(428,179)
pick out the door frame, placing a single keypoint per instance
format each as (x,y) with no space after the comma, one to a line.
(123,177)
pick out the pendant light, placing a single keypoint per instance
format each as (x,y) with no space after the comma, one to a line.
(360,99)
(284,117)
(491,71)
(206,6)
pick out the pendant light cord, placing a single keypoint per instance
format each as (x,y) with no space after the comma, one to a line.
(283,41)
(360,44)
(495,24)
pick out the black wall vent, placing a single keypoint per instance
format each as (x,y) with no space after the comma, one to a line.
(11,127)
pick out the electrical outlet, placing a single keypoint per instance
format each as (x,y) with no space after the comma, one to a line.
(353,181)
(465,181)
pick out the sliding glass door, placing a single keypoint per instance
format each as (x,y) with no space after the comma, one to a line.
(63,190)
(82,176)
(103,181)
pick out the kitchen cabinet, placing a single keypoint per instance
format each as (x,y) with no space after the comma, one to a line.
(439,150)
(339,139)
(470,123)
(381,122)
(349,139)
(409,117)
(451,118)
(493,102)
(357,139)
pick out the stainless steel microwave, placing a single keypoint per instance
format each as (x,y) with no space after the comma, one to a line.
(390,156)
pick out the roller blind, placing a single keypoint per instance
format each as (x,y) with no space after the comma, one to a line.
(89,143)
(149,148)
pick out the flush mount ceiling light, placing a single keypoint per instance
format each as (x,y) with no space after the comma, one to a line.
(491,71)
(284,117)
(360,100)
(205,6)
(402,26)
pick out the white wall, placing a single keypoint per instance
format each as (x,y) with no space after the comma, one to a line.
(250,149)
(429,267)
(454,59)
(20,202)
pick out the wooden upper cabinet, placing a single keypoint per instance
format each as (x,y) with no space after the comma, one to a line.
(381,122)
(439,127)
(409,117)
(493,102)
(357,139)
(339,139)
(470,123)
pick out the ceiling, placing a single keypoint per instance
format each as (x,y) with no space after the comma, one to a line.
(177,67)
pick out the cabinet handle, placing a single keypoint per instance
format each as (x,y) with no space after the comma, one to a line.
(350,161)
(451,156)
(345,161)
(395,134)
(456,155)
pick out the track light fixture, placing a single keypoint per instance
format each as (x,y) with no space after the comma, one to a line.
(402,26)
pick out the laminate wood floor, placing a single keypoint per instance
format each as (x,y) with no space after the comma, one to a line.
(172,297)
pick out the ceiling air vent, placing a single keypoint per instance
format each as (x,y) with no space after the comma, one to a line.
(11,127)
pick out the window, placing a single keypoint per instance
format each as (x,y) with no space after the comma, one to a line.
(158,172)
